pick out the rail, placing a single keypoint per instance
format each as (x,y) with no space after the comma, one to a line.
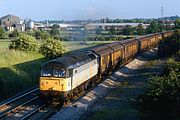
(33,112)
(4,114)
(21,96)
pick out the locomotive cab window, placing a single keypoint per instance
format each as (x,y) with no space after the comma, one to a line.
(47,72)
(59,73)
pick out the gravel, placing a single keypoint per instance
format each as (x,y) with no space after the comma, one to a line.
(79,109)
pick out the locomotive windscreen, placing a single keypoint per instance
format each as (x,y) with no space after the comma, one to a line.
(50,72)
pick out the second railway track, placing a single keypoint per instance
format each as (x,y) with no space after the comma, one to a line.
(16,103)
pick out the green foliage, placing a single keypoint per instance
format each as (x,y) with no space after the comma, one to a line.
(140,30)
(105,38)
(41,34)
(112,31)
(153,27)
(18,71)
(169,45)
(177,23)
(25,43)
(54,30)
(128,30)
(2,32)
(52,48)
(15,33)
(98,31)
(162,100)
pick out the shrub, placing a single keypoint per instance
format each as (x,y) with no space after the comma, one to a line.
(2,32)
(52,48)
(25,43)
(162,100)
(169,45)
(15,33)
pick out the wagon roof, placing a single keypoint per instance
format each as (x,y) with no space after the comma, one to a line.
(128,42)
(102,50)
(69,61)
(141,38)
(115,46)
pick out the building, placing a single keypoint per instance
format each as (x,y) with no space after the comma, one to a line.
(9,22)
(108,26)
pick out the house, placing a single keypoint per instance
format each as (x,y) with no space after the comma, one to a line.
(10,22)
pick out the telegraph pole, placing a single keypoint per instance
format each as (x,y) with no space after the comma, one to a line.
(162,11)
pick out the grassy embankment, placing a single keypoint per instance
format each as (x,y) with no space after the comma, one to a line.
(20,70)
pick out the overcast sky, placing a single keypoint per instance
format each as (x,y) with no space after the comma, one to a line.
(88,9)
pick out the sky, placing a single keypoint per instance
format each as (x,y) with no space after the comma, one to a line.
(88,9)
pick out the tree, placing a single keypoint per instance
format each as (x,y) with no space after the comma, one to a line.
(128,30)
(140,30)
(52,48)
(112,31)
(161,26)
(2,32)
(177,24)
(55,29)
(153,27)
(25,43)
(98,31)
(41,34)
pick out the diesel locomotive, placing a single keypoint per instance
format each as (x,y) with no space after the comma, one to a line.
(67,76)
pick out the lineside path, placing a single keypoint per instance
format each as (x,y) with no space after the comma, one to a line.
(113,98)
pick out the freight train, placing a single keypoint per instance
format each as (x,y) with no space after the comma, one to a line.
(67,76)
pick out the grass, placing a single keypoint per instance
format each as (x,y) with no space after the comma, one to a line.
(18,70)
(74,45)
(114,113)
(4,44)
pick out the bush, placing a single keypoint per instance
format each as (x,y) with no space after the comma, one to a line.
(2,32)
(25,43)
(15,33)
(169,45)
(52,48)
(162,100)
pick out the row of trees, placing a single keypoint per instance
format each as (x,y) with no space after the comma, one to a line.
(155,26)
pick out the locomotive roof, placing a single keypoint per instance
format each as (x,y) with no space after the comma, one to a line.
(69,61)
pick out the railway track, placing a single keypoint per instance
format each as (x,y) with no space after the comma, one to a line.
(27,106)
(15,104)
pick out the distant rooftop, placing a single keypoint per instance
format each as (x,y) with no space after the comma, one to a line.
(9,15)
